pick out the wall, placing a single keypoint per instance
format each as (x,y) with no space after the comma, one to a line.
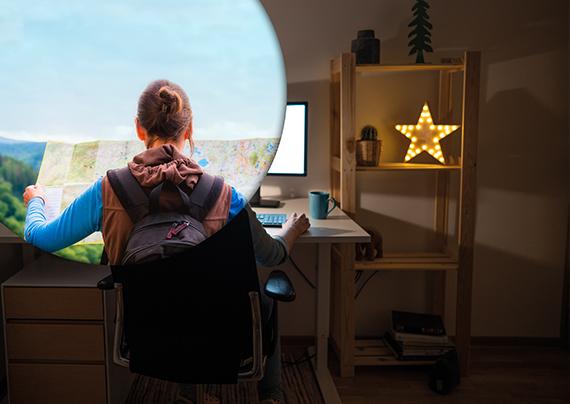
(523,152)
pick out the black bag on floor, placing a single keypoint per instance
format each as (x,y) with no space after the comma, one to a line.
(444,377)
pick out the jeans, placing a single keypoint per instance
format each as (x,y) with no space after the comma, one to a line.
(270,386)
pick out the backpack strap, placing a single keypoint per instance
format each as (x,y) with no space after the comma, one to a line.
(137,204)
(204,195)
(198,201)
(130,194)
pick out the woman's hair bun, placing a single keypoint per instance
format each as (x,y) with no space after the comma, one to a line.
(164,109)
(171,100)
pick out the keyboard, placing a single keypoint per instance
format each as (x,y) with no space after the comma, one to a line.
(272,219)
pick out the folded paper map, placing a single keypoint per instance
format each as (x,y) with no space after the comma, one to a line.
(68,169)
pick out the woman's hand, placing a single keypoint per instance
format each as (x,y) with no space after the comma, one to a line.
(294,227)
(297,224)
(32,191)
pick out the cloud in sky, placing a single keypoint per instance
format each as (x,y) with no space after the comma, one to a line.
(74,70)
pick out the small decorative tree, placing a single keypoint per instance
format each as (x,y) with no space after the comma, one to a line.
(421,34)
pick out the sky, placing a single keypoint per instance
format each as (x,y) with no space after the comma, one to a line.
(73,70)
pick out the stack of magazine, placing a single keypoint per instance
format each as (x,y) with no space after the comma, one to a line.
(416,336)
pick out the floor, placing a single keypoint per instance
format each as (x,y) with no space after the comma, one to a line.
(499,374)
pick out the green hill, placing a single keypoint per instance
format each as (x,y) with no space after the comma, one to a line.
(12,210)
(17,173)
(30,153)
(15,176)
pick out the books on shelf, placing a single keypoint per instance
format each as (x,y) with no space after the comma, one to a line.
(419,338)
(406,351)
(417,323)
(416,336)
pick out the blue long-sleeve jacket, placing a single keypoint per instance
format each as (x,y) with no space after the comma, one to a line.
(84,216)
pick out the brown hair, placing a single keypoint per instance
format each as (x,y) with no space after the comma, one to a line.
(164,110)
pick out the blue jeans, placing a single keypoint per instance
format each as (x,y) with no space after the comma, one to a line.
(270,386)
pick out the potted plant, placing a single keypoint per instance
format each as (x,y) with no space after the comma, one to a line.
(368,148)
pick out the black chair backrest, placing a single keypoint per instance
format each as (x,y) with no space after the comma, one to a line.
(187,318)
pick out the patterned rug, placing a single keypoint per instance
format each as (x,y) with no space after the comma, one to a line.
(299,385)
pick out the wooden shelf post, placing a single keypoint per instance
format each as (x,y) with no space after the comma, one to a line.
(342,307)
(347,135)
(467,205)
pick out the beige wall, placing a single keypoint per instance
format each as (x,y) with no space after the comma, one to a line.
(523,152)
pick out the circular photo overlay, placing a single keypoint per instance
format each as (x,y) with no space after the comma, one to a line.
(169,90)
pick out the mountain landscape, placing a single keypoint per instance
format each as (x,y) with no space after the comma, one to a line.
(30,153)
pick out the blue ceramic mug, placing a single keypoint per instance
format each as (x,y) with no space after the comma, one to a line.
(319,204)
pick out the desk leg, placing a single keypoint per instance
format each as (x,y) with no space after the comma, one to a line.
(320,361)
(323,304)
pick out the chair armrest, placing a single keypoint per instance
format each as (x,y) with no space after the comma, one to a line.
(106,283)
(279,287)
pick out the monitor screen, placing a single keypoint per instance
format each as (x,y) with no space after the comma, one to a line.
(291,156)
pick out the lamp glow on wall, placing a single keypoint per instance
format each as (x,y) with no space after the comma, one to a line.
(425,136)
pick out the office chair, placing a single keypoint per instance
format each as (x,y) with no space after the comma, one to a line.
(197,317)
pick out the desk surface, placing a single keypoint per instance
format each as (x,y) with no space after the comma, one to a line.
(52,271)
(337,228)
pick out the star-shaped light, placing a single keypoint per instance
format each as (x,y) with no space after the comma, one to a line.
(425,136)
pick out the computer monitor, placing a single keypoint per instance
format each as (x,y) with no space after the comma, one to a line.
(291,156)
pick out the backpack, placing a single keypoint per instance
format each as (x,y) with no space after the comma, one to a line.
(158,234)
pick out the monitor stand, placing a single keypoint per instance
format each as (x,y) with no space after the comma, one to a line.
(257,201)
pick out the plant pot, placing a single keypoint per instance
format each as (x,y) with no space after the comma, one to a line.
(368,152)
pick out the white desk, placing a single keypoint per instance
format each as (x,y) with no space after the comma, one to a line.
(337,228)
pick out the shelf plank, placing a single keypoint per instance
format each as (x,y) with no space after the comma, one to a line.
(409,68)
(374,352)
(414,262)
(409,166)
(386,361)
(421,254)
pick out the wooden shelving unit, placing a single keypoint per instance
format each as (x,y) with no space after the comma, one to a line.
(452,255)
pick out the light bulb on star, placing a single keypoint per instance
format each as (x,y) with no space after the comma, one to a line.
(427,136)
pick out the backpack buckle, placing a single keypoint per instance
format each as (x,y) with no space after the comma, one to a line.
(176,228)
